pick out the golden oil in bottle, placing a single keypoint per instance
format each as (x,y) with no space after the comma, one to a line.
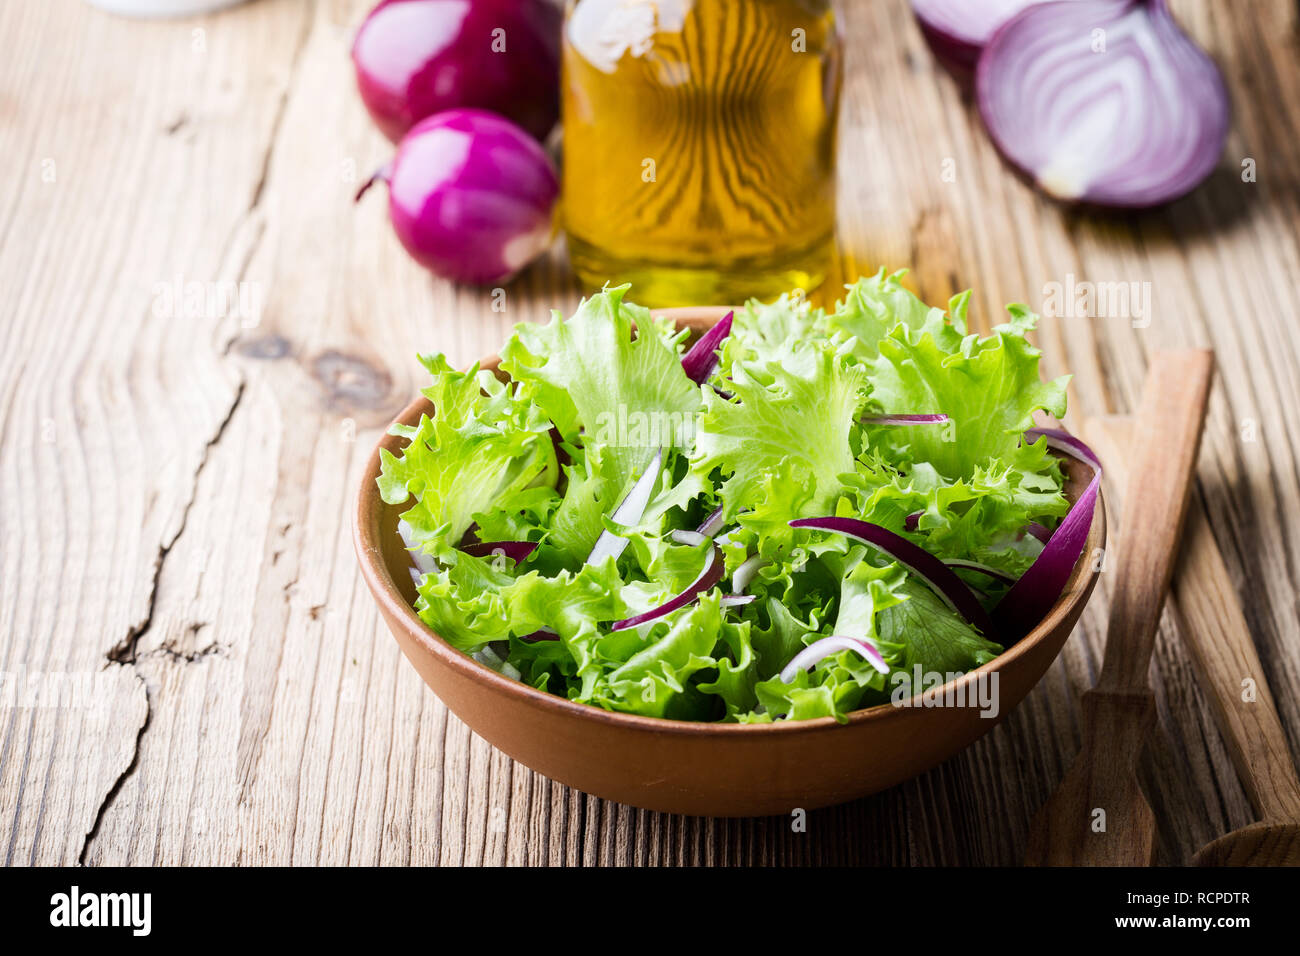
(699,146)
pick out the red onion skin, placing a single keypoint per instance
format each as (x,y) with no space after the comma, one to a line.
(998,66)
(958,45)
(957,30)
(472,196)
(415,58)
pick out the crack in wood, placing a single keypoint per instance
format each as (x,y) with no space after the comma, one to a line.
(124,651)
(125,775)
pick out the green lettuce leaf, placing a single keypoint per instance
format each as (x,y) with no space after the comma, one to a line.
(875,306)
(801,427)
(482,447)
(989,388)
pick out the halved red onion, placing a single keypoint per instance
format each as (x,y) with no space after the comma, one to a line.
(951,589)
(1103,101)
(958,29)
(736,600)
(702,358)
(628,514)
(744,574)
(905,420)
(516,551)
(818,651)
(709,576)
(987,570)
(1034,595)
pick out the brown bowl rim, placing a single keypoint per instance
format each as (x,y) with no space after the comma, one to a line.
(386,593)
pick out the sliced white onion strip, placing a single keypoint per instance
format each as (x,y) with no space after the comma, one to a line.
(818,651)
(424,562)
(744,574)
(736,600)
(628,514)
(692,538)
(713,523)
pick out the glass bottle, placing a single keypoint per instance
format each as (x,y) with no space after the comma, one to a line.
(699,146)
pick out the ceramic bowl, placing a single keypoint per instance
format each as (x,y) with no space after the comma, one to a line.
(702,768)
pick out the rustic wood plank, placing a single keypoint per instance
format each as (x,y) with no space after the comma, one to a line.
(174,489)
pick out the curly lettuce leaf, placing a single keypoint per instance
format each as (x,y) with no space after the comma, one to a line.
(989,388)
(656,680)
(763,335)
(801,427)
(589,373)
(876,305)
(930,635)
(482,447)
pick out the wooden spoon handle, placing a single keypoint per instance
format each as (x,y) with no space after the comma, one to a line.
(1214,630)
(1164,460)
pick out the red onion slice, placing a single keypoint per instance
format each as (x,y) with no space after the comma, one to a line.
(1103,101)
(702,358)
(957,30)
(1060,440)
(710,575)
(424,563)
(628,514)
(905,420)
(818,651)
(911,521)
(541,634)
(736,600)
(1034,595)
(1039,531)
(691,538)
(964,565)
(743,575)
(516,551)
(937,575)
(713,523)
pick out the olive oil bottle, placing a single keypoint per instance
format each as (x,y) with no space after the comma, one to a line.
(699,146)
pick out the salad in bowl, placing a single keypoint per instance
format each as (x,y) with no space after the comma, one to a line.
(803,513)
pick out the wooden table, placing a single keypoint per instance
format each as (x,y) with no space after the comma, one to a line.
(192,670)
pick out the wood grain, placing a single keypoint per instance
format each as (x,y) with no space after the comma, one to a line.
(174,486)
(1211,621)
(1219,642)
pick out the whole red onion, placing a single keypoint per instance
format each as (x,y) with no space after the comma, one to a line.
(471,196)
(415,58)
